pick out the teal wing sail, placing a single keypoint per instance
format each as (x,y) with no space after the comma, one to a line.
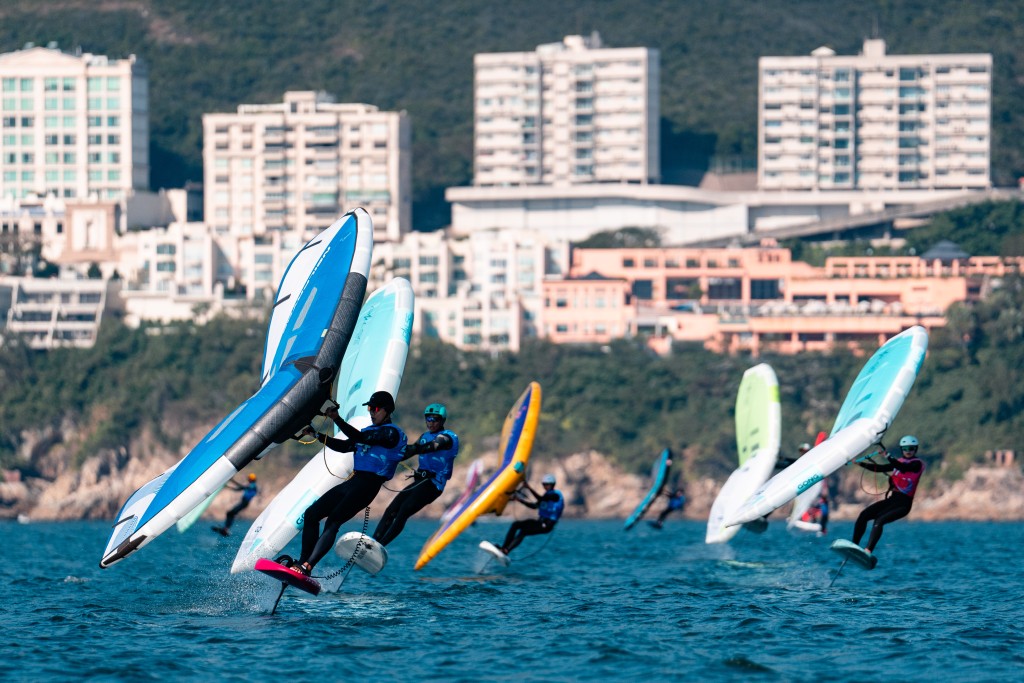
(661,469)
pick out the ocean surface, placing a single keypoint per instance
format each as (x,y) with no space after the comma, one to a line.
(588,602)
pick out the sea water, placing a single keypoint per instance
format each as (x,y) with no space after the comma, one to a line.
(588,602)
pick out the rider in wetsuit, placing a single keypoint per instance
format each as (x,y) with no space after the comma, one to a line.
(437,448)
(906,473)
(549,506)
(249,492)
(676,501)
(377,450)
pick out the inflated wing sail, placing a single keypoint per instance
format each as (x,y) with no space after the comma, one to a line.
(515,447)
(758,437)
(315,312)
(660,476)
(375,361)
(870,407)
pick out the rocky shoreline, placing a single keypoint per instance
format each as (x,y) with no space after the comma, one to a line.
(594,488)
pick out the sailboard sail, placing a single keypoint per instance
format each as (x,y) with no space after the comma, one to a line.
(758,437)
(870,406)
(315,311)
(660,477)
(473,476)
(375,361)
(515,447)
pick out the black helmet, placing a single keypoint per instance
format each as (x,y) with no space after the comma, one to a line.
(381,399)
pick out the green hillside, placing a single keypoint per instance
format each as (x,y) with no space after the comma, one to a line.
(418,56)
(621,399)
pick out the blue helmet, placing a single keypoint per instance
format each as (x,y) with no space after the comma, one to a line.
(909,442)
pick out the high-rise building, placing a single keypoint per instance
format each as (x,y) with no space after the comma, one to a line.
(74,125)
(874,121)
(568,113)
(296,166)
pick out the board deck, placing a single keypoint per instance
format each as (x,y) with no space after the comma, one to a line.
(852,551)
(363,551)
(495,552)
(221,530)
(655,523)
(289,576)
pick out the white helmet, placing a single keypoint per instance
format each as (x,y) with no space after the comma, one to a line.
(548,479)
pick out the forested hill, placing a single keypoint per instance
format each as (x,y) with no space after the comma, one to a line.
(418,56)
(620,400)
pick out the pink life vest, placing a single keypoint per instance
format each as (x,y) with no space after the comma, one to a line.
(906,482)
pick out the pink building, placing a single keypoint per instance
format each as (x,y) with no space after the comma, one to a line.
(745,299)
(592,308)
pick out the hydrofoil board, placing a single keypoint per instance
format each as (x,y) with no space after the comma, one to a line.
(288,576)
(495,551)
(852,551)
(363,551)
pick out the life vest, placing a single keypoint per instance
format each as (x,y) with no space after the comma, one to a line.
(551,510)
(906,482)
(676,502)
(249,492)
(379,459)
(439,463)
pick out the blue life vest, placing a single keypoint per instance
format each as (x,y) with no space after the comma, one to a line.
(551,510)
(439,463)
(379,459)
(249,492)
(676,502)
(823,506)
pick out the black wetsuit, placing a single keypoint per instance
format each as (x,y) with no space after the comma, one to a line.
(407,503)
(342,502)
(530,527)
(895,505)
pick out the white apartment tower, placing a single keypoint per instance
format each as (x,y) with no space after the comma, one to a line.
(568,113)
(298,165)
(74,125)
(874,121)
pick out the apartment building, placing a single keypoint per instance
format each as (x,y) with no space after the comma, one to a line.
(568,113)
(874,121)
(50,312)
(74,125)
(295,166)
(480,292)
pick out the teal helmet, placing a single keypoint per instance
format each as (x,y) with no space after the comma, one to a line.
(909,442)
(436,409)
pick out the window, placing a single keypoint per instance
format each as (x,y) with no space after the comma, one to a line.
(643,289)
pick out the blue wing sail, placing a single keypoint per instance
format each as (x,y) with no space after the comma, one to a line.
(316,310)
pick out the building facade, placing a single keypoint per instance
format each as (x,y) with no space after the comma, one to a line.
(297,165)
(750,299)
(51,312)
(874,121)
(74,125)
(567,113)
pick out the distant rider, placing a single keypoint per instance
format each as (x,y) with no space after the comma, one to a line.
(818,512)
(906,473)
(549,506)
(676,501)
(249,492)
(377,450)
(437,449)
